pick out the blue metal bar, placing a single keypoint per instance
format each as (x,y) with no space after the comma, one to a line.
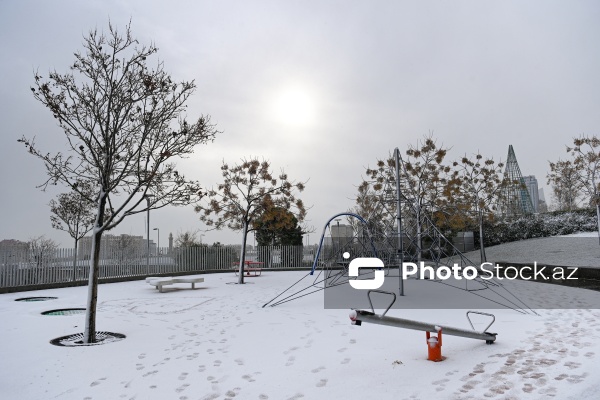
(344,214)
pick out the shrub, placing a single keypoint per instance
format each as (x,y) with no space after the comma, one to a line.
(541,225)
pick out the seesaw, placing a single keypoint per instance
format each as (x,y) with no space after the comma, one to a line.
(434,343)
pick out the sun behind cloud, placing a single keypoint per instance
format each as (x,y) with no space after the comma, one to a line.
(294,106)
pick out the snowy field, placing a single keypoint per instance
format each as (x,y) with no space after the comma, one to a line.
(217,342)
(576,250)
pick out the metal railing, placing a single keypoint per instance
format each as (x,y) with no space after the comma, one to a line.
(23,268)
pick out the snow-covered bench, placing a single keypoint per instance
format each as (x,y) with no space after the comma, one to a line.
(159,282)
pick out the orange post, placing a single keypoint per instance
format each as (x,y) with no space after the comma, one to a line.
(434,346)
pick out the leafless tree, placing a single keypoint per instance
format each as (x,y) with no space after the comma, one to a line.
(243,195)
(566,185)
(586,159)
(126,250)
(124,124)
(422,178)
(74,214)
(477,183)
(187,239)
(41,251)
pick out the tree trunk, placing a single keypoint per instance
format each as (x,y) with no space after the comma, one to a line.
(89,334)
(598,218)
(243,254)
(419,242)
(481,247)
(75,261)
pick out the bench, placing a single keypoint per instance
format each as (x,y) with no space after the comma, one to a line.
(249,269)
(159,282)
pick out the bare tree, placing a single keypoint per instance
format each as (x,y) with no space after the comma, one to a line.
(423,177)
(376,197)
(125,249)
(477,184)
(586,159)
(74,214)
(566,185)
(243,196)
(42,252)
(124,125)
(187,239)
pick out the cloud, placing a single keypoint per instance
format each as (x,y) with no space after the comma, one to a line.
(481,76)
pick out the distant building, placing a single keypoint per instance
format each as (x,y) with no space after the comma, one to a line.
(9,244)
(342,231)
(12,251)
(516,200)
(340,235)
(532,187)
(109,244)
(542,205)
(541,194)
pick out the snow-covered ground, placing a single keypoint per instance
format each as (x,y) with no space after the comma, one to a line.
(582,234)
(576,250)
(217,342)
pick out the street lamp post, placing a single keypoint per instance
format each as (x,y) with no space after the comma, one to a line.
(147,197)
(157,258)
(157,240)
(338,233)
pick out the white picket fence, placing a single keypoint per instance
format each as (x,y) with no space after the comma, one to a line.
(21,267)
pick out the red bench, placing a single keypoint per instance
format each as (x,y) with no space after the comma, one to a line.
(249,269)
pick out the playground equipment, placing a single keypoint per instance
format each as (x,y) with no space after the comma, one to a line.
(330,267)
(434,346)
(360,316)
(396,230)
(434,343)
(329,264)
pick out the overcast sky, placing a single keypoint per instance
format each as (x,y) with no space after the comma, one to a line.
(362,78)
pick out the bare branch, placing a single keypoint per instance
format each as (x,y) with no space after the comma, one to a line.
(124,124)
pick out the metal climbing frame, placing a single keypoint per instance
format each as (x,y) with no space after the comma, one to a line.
(396,230)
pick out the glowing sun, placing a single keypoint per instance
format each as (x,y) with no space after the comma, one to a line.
(295,107)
